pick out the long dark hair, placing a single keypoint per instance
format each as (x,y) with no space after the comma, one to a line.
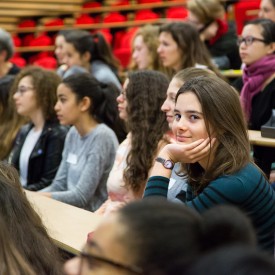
(103,97)
(188,40)
(166,238)
(222,113)
(145,94)
(268,29)
(95,44)
(29,234)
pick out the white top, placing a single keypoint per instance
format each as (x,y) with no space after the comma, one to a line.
(26,151)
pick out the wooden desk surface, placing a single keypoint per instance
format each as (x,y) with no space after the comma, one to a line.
(67,225)
(232,73)
(256,139)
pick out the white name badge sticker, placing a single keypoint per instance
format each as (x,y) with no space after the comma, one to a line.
(171,183)
(72,158)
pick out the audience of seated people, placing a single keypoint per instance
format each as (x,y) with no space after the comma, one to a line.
(214,151)
(257,86)
(90,146)
(6,53)
(37,150)
(139,105)
(86,52)
(187,141)
(219,36)
(10,121)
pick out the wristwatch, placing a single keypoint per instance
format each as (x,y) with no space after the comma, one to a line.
(167,163)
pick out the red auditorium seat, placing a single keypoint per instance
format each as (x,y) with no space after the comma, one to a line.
(241,12)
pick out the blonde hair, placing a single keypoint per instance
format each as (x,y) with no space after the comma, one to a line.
(206,10)
(150,34)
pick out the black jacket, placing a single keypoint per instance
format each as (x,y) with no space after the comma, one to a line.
(227,46)
(45,157)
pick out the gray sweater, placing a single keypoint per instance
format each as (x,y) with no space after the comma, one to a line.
(84,169)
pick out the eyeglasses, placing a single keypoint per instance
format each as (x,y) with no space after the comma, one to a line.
(94,259)
(23,89)
(248,40)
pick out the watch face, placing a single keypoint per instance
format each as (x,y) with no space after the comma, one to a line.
(168,164)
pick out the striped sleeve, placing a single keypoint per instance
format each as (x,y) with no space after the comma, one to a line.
(157,186)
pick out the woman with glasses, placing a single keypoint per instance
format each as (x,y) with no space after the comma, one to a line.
(154,236)
(38,147)
(220,37)
(10,120)
(257,47)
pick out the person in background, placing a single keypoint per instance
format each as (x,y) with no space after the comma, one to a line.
(163,238)
(6,53)
(10,121)
(139,105)
(86,52)
(144,50)
(180,47)
(267,9)
(214,151)
(37,150)
(257,85)
(59,46)
(25,227)
(90,146)
(178,184)
(220,37)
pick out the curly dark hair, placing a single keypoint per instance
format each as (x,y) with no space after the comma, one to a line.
(145,94)
(45,84)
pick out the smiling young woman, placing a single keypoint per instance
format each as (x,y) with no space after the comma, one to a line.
(214,151)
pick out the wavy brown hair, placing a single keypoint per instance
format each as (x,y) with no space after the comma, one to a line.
(145,94)
(222,113)
(45,84)
(25,226)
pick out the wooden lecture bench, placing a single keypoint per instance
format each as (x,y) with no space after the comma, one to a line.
(232,73)
(67,225)
(255,138)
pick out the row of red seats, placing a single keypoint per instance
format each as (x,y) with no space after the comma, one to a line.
(121,41)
